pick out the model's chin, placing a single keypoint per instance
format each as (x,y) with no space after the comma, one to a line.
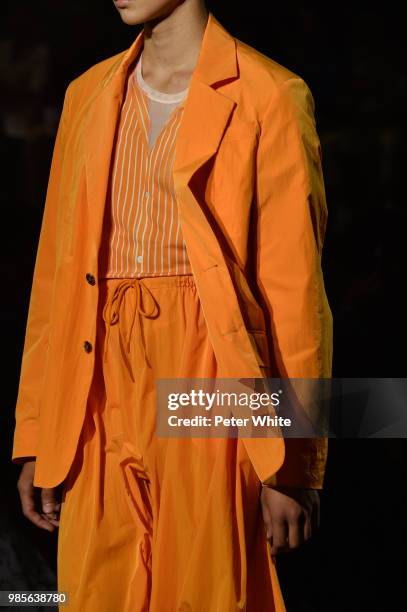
(130,16)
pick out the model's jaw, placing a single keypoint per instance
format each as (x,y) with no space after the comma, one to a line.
(135,12)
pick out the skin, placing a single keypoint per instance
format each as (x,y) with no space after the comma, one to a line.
(173,31)
(41,509)
(173,35)
(290,515)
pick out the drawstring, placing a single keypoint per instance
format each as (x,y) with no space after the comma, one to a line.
(112,308)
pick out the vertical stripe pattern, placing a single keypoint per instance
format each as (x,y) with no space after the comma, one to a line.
(145,235)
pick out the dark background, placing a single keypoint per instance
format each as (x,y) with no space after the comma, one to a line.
(352,60)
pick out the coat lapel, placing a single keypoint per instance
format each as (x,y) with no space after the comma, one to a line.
(100,129)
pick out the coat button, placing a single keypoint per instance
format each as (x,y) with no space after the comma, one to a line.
(90,278)
(87,346)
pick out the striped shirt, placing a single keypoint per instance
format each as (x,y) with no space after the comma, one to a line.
(142,232)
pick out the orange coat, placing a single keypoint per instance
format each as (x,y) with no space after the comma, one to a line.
(252,205)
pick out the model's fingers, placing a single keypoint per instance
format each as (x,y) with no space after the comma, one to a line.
(315,515)
(266,517)
(296,528)
(29,508)
(307,525)
(52,521)
(269,528)
(50,506)
(279,538)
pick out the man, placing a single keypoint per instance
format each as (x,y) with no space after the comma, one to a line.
(217,220)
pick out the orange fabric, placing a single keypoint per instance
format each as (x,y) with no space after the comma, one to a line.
(145,232)
(175,523)
(248,177)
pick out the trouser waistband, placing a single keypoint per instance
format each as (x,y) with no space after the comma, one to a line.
(146,304)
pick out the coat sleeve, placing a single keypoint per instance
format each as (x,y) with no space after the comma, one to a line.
(292,215)
(38,319)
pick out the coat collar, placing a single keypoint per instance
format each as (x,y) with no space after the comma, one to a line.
(205,116)
(216,62)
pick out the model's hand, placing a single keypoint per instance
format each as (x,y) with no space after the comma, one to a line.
(43,509)
(291,516)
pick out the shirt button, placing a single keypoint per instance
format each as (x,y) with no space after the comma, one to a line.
(146,193)
(87,346)
(139,258)
(90,278)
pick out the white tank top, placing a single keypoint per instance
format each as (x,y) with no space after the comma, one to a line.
(160,104)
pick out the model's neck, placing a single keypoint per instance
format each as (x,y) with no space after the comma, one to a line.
(172,44)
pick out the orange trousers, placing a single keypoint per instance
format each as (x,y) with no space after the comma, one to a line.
(158,524)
